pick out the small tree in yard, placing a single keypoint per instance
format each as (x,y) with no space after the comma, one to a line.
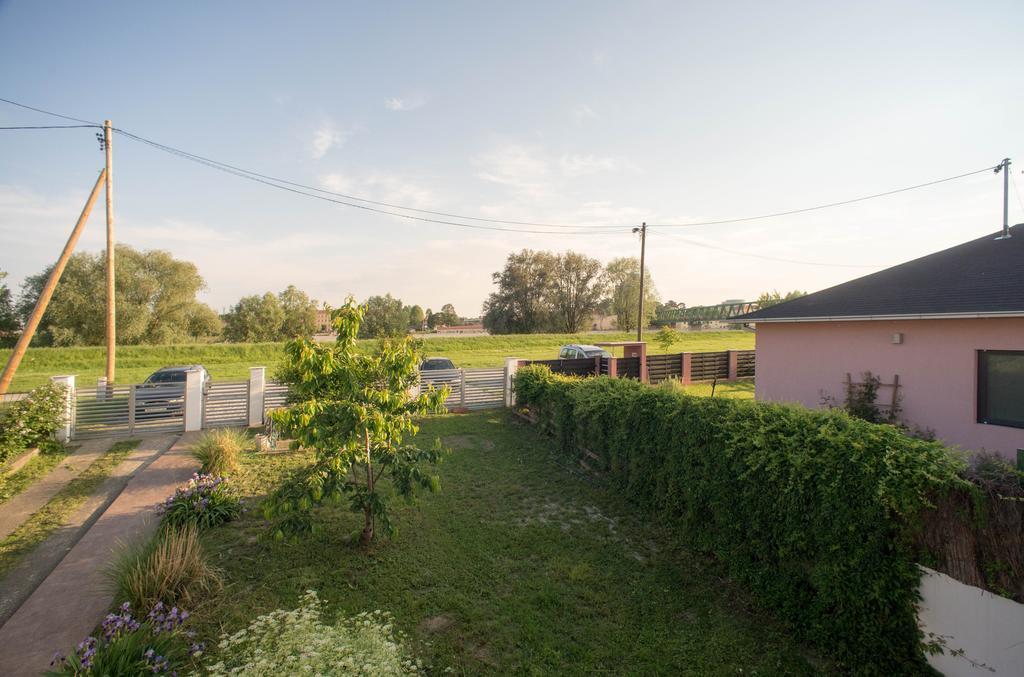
(665,337)
(356,412)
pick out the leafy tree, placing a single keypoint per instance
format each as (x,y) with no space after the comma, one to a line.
(772,298)
(385,317)
(519,306)
(356,412)
(204,322)
(299,313)
(622,277)
(254,319)
(155,296)
(9,324)
(666,336)
(416,318)
(430,318)
(575,289)
(448,316)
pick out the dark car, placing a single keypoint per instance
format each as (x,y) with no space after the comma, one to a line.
(436,363)
(162,394)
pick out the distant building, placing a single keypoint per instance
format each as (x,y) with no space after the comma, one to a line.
(475,328)
(323,321)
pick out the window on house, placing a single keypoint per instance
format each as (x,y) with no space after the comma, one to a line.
(1001,387)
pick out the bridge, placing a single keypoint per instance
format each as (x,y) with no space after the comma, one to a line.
(722,311)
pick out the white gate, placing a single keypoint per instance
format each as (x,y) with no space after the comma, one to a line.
(129,410)
(470,388)
(226,405)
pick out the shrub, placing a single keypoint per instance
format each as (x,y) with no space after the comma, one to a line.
(299,642)
(218,450)
(204,502)
(171,569)
(128,646)
(814,511)
(31,421)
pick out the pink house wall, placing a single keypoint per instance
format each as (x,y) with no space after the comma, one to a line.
(936,363)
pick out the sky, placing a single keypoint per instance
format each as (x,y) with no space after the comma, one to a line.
(574,113)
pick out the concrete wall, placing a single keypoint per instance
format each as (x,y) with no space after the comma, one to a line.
(982,633)
(936,363)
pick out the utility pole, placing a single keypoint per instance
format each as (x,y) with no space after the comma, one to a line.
(1004,167)
(47,292)
(640,307)
(111,317)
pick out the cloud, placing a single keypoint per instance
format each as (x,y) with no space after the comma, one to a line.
(404,104)
(382,187)
(584,112)
(583,165)
(326,137)
(524,169)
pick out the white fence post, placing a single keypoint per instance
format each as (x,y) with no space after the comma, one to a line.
(67,429)
(193,401)
(257,395)
(511,366)
(101,388)
(462,388)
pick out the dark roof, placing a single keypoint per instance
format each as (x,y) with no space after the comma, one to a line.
(983,276)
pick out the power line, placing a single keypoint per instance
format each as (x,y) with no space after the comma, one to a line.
(242,174)
(766,257)
(824,206)
(46,112)
(53,127)
(193,156)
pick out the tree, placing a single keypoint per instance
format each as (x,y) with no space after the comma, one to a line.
(416,318)
(666,336)
(430,317)
(519,306)
(9,324)
(254,319)
(772,298)
(384,317)
(356,412)
(448,316)
(155,295)
(622,277)
(204,322)
(299,313)
(574,292)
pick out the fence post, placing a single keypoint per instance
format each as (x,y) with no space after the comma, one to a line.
(101,388)
(734,363)
(687,367)
(613,367)
(132,394)
(257,395)
(67,430)
(511,367)
(193,401)
(462,388)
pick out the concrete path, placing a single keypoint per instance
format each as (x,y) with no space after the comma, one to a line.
(73,599)
(15,511)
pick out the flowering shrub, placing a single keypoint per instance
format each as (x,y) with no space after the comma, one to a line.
(128,646)
(204,502)
(31,421)
(299,642)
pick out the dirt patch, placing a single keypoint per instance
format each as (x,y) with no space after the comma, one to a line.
(436,624)
(467,442)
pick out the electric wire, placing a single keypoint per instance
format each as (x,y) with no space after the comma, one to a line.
(766,257)
(46,112)
(823,206)
(53,127)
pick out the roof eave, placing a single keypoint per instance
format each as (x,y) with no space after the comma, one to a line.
(859,318)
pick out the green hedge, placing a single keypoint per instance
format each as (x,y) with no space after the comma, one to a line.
(32,421)
(814,511)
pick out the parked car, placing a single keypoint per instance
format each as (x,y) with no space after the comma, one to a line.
(436,364)
(152,401)
(580,351)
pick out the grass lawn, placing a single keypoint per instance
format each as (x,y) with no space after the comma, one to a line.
(231,361)
(46,460)
(519,566)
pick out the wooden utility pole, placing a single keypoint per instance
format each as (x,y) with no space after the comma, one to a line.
(640,308)
(47,292)
(111,316)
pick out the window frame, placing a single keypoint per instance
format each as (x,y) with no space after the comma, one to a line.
(982,386)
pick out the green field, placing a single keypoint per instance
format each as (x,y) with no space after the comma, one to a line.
(231,361)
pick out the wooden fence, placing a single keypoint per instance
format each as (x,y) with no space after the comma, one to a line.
(685,367)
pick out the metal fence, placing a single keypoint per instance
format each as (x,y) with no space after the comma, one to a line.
(702,366)
(469,388)
(129,410)
(226,405)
